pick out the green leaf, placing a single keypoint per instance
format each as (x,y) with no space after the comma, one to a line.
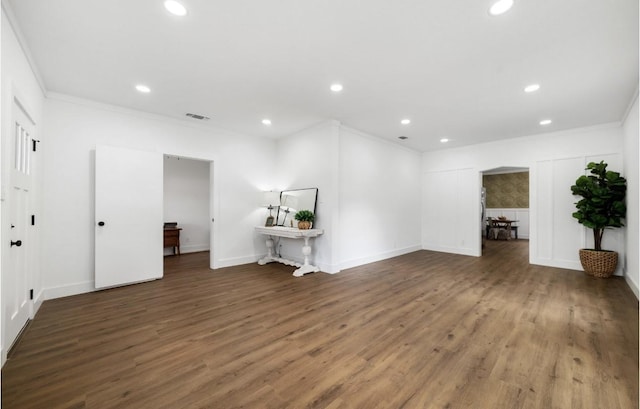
(602,193)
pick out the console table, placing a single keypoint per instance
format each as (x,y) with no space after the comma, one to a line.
(290,233)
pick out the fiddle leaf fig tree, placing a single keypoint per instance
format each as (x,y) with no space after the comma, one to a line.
(603,200)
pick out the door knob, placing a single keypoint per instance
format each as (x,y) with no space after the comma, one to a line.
(16,243)
(100,223)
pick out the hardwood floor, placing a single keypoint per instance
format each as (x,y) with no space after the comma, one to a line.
(424,330)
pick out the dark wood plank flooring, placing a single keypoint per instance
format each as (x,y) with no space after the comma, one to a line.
(424,330)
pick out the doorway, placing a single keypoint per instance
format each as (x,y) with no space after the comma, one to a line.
(144,171)
(505,215)
(187,203)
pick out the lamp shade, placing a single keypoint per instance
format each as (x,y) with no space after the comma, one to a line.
(271,199)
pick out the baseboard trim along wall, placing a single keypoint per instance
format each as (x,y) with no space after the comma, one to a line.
(377,257)
(568,265)
(453,250)
(186,249)
(632,285)
(37,302)
(68,290)
(194,248)
(236,261)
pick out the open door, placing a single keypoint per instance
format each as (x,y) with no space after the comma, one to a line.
(128,225)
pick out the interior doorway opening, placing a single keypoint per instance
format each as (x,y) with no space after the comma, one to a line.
(188,205)
(505,205)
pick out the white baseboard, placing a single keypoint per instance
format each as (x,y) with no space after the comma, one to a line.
(453,250)
(632,285)
(236,261)
(329,269)
(68,290)
(189,248)
(566,264)
(37,302)
(377,257)
(194,248)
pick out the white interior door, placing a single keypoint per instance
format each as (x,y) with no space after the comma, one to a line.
(16,279)
(128,229)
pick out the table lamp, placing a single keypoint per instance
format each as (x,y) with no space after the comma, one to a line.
(271,200)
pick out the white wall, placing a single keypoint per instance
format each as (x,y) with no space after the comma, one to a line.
(380,195)
(452,180)
(186,201)
(632,173)
(558,235)
(368,194)
(309,159)
(242,168)
(451,210)
(19,83)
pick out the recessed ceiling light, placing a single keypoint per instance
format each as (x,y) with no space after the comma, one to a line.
(336,87)
(175,8)
(545,122)
(405,121)
(532,88)
(500,7)
(266,121)
(143,88)
(444,140)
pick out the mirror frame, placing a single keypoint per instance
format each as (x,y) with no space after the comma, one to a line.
(282,214)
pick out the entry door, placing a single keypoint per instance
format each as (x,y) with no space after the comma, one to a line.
(128,225)
(16,281)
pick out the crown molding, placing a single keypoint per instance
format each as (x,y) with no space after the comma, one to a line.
(15,27)
(189,123)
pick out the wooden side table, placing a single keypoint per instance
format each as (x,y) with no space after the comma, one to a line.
(172,238)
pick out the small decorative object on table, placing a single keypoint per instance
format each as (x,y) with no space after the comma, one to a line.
(272,201)
(304,218)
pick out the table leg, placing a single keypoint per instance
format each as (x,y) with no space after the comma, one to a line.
(306,267)
(269,257)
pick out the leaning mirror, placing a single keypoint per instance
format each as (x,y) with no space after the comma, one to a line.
(292,201)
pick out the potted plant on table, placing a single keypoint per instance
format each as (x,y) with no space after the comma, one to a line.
(602,206)
(304,218)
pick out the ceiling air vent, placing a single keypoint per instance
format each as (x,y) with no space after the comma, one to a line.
(200,117)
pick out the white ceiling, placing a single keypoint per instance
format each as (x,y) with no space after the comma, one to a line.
(455,71)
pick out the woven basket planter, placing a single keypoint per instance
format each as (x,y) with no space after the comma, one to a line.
(304,225)
(599,263)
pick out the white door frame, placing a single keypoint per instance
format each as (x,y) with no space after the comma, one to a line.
(213,205)
(481,173)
